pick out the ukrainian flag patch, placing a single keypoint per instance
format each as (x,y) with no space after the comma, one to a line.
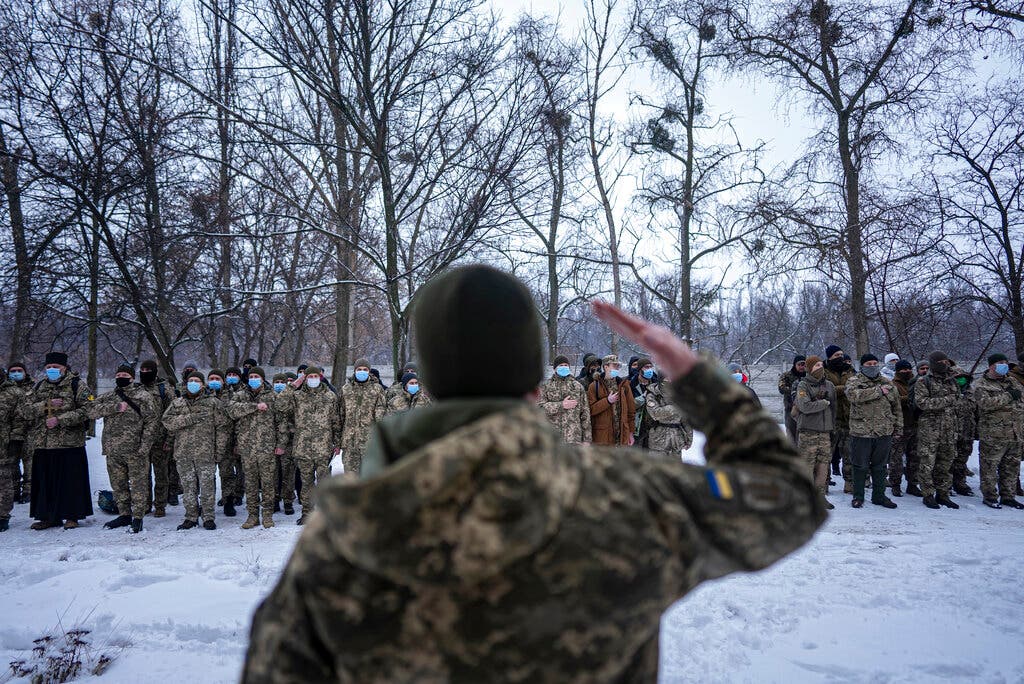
(719,484)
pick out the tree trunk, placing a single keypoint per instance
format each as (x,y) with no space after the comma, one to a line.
(23,269)
(854,238)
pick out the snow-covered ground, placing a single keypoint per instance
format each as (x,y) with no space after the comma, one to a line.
(909,595)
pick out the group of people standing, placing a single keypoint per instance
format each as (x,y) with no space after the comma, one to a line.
(267,437)
(892,422)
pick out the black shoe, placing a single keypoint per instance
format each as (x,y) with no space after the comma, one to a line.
(884,502)
(289,508)
(172,499)
(187,525)
(209,525)
(119,521)
(277,505)
(929,500)
(301,520)
(229,507)
(239,500)
(858,503)
(896,491)
(943,498)
(4,524)
(913,489)
(136,525)
(991,503)
(1012,503)
(963,489)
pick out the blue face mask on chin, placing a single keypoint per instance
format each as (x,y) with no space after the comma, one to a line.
(53,374)
(216,385)
(255,383)
(612,373)
(563,371)
(362,376)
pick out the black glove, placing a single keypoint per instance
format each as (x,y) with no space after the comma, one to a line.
(1014,392)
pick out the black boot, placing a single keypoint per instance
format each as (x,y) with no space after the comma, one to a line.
(860,476)
(220,501)
(1012,503)
(4,524)
(301,520)
(119,521)
(913,489)
(172,499)
(991,503)
(929,501)
(896,491)
(289,508)
(187,525)
(136,525)
(209,525)
(943,498)
(963,489)
(277,505)
(229,506)
(884,502)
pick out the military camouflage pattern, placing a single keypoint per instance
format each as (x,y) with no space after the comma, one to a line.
(128,437)
(9,402)
(361,405)
(316,431)
(160,453)
(905,445)
(841,433)
(816,451)
(197,425)
(496,552)
(967,429)
(937,397)
(788,382)
(1001,434)
(667,430)
(403,401)
(286,461)
(72,417)
(573,424)
(229,463)
(256,437)
(874,407)
(18,456)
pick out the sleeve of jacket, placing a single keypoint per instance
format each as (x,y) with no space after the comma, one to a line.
(862,392)
(583,407)
(597,406)
(79,412)
(988,400)
(808,406)
(380,407)
(751,505)
(103,406)
(338,420)
(150,408)
(178,417)
(897,408)
(628,405)
(927,401)
(239,407)
(549,403)
(661,408)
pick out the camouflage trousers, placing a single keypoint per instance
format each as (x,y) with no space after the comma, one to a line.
(232,475)
(173,479)
(964,447)
(160,461)
(841,452)
(352,459)
(20,467)
(6,486)
(816,449)
(903,446)
(260,481)
(1000,468)
(791,429)
(311,470)
(936,449)
(285,488)
(199,480)
(129,478)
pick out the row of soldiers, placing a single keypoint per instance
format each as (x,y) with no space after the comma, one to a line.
(886,423)
(162,440)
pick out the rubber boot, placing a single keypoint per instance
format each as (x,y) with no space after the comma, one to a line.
(860,476)
(878,496)
(119,521)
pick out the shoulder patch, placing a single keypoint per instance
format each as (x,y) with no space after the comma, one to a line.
(91,398)
(718,483)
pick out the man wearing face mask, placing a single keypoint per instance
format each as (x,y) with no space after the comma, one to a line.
(838,372)
(13,393)
(788,382)
(362,404)
(160,455)
(904,445)
(410,395)
(396,387)
(612,409)
(875,417)
(1000,399)
(736,371)
(815,406)
(661,425)
(564,402)
(257,440)
(197,422)
(311,411)
(936,395)
(233,380)
(58,411)
(888,371)
(130,428)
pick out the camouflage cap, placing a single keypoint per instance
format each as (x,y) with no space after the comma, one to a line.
(280,377)
(314,370)
(258,371)
(611,358)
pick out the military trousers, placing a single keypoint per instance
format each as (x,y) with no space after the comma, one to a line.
(232,477)
(791,428)
(903,447)
(129,478)
(7,486)
(816,449)
(199,482)
(964,447)
(286,487)
(260,481)
(1000,467)
(352,459)
(936,449)
(312,470)
(20,464)
(160,461)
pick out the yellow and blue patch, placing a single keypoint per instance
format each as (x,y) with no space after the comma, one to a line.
(719,484)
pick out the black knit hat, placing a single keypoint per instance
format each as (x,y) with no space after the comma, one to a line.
(407,377)
(56,357)
(997,357)
(234,369)
(126,368)
(216,371)
(936,356)
(148,364)
(280,377)
(831,349)
(258,371)
(559,360)
(195,374)
(466,318)
(250,362)
(868,357)
(16,364)
(903,365)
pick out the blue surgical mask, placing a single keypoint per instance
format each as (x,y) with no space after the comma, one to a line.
(362,376)
(313,383)
(216,385)
(612,373)
(232,379)
(563,371)
(412,389)
(648,373)
(17,376)
(738,377)
(53,374)
(194,387)
(255,383)
(1002,368)
(279,387)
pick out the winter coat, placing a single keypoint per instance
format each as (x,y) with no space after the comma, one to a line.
(909,412)
(72,416)
(131,432)
(873,412)
(312,416)
(197,425)
(936,397)
(815,405)
(361,405)
(573,424)
(603,413)
(14,394)
(1000,414)
(403,401)
(662,424)
(788,382)
(163,394)
(255,431)
(839,381)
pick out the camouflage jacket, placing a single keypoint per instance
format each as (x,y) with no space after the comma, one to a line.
(873,412)
(132,431)
(197,426)
(937,397)
(225,436)
(14,394)
(361,405)
(1000,416)
(163,394)
(909,414)
(788,382)
(839,381)
(573,424)
(663,425)
(312,417)
(491,551)
(403,401)
(72,416)
(255,431)
(815,405)
(9,404)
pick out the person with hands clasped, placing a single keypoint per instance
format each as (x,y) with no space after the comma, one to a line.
(612,409)
(564,402)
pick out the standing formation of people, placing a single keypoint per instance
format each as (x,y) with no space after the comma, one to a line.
(886,424)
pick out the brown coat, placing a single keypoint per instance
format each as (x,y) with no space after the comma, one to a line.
(602,413)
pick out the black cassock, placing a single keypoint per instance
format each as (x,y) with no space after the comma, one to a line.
(60,484)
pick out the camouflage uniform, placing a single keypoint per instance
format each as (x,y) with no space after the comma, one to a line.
(841,434)
(937,397)
(403,401)
(256,437)
(875,416)
(360,406)
(967,428)
(286,461)
(663,425)
(573,424)
(198,425)
(18,451)
(313,415)
(128,438)
(905,444)
(788,382)
(73,416)
(816,418)
(1001,433)
(9,401)
(229,464)
(160,458)
(517,557)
